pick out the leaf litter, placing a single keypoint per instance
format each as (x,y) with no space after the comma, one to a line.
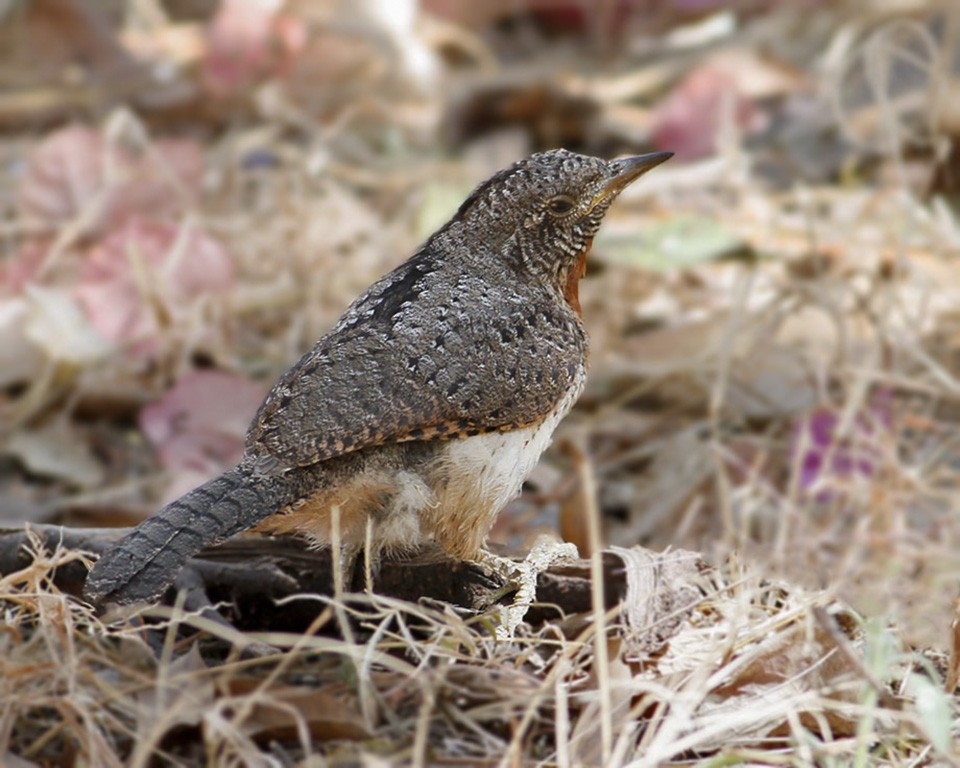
(778,394)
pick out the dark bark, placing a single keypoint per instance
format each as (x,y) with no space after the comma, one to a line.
(249,574)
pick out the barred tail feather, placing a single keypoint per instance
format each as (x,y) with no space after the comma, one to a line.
(147,560)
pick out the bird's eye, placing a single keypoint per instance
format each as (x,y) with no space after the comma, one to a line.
(560,205)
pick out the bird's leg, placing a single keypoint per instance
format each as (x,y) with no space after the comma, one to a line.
(345,561)
(523,579)
(371,558)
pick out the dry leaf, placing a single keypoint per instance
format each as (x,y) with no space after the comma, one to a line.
(10,760)
(246,40)
(661,592)
(772,373)
(57,325)
(760,75)
(773,381)
(143,271)
(20,358)
(63,176)
(678,242)
(397,20)
(198,427)
(689,121)
(182,696)
(56,450)
(586,741)
(278,710)
(680,464)
(75,172)
(21,267)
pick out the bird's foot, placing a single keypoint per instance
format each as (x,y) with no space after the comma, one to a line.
(521,578)
(501,571)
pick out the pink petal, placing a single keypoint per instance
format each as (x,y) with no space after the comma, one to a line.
(200,424)
(22,267)
(63,174)
(118,312)
(202,265)
(143,262)
(162,181)
(66,177)
(238,41)
(688,120)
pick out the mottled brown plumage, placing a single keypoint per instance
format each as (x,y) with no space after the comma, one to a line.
(423,410)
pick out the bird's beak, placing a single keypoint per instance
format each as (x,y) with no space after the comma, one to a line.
(629,169)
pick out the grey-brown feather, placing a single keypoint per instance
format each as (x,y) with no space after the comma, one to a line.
(432,351)
(147,560)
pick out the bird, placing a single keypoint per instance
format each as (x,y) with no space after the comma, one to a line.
(421,413)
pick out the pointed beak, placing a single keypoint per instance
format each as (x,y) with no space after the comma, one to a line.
(629,169)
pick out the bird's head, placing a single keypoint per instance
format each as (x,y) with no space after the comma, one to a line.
(542,213)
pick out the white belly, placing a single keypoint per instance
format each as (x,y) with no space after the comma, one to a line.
(495,465)
(479,476)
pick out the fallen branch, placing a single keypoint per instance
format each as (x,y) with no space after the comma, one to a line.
(251,573)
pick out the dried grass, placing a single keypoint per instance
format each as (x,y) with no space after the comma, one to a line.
(752,668)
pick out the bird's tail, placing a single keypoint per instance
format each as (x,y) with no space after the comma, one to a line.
(147,560)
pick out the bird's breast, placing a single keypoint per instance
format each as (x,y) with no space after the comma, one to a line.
(473,478)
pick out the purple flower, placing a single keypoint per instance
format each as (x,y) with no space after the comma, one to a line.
(824,455)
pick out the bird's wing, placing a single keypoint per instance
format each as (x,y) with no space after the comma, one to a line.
(403,365)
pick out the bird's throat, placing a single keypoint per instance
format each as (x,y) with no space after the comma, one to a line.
(571,291)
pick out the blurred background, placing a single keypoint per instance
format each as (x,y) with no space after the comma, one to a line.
(191,192)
